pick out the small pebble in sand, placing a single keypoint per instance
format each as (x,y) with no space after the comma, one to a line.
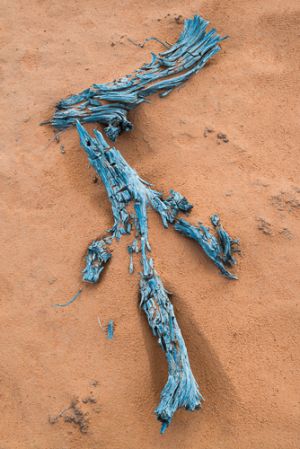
(179,19)
(89,400)
(53,419)
(94,383)
(52,280)
(207,131)
(222,137)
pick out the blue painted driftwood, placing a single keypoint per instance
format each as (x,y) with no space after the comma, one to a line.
(109,103)
(123,185)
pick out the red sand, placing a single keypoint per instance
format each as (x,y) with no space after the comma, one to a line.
(242,336)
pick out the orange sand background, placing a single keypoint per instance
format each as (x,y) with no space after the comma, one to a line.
(242,336)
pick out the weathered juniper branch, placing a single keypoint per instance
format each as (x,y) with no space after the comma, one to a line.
(124,185)
(110,103)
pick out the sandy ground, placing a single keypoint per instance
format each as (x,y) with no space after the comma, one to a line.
(242,336)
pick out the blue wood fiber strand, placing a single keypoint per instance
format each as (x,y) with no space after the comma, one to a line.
(71,300)
(110,329)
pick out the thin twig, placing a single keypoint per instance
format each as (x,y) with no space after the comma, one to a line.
(55,137)
(137,44)
(99,322)
(71,300)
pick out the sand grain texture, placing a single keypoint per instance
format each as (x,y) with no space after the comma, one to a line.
(242,337)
